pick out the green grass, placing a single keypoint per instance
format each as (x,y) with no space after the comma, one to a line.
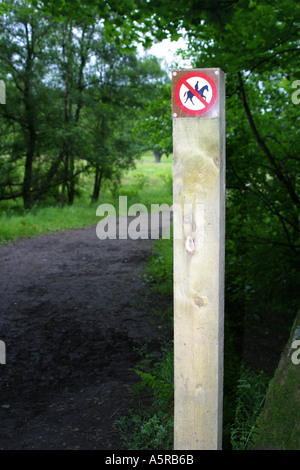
(150,169)
(44,220)
(159,270)
(149,183)
(151,428)
(250,395)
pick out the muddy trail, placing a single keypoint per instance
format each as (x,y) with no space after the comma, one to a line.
(75,311)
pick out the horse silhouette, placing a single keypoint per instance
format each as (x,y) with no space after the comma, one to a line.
(191,95)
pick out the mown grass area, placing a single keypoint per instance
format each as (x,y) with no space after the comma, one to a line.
(42,220)
(148,183)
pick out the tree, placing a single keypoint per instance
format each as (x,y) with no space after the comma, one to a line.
(262,163)
(127,88)
(76,45)
(22,53)
(155,124)
(72,102)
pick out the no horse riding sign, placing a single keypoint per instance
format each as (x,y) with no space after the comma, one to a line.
(195,93)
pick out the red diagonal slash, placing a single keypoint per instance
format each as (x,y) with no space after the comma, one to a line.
(195,92)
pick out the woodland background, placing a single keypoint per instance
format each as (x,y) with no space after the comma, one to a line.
(82,107)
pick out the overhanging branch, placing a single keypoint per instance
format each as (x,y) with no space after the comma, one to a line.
(282,176)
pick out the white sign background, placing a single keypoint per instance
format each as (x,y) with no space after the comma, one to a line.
(183,93)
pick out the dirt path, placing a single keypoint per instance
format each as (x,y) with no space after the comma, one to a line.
(74,310)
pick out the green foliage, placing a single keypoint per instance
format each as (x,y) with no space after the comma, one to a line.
(159,271)
(249,399)
(159,377)
(118,17)
(154,128)
(146,432)
(151,428)
(73,99)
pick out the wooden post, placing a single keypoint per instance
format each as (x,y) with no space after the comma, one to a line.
(199,254)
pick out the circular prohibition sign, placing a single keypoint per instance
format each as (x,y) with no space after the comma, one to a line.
(195,93)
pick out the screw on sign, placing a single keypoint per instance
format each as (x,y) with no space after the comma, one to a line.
(195,93)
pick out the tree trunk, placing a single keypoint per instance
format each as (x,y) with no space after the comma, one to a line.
(71,185)
(277,427)
(30,124)
(65,179)
(46,184)
(97,184)
(157,155)
(27,182)
(67,110)
(27,200)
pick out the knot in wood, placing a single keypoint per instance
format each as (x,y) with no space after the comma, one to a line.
(199,301)
(190,244)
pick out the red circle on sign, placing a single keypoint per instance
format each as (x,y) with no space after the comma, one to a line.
(183,81)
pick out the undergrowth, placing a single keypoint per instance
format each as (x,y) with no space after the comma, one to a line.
(250,395)
(151,428)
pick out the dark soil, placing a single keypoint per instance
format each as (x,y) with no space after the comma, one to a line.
(75,311)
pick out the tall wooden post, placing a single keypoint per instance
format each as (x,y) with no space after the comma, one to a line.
(198,110)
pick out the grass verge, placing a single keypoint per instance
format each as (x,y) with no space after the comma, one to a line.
(151,427)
